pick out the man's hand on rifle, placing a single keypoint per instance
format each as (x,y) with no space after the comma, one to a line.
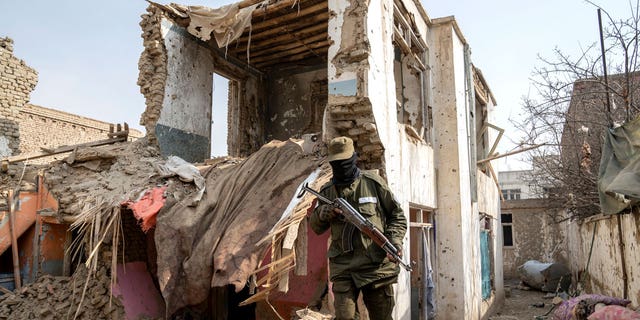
(328,212)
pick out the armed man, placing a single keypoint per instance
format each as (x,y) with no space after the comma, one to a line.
(356,263)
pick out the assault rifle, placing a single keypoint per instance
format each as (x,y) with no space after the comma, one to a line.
(365,226)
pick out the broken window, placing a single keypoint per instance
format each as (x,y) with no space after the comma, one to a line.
(421,236)
(507,229)
(411,76)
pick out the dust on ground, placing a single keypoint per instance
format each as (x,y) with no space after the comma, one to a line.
(523,304)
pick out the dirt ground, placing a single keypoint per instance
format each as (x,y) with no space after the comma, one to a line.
(522,304)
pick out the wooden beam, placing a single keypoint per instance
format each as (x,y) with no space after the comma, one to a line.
(304,31)
(63,149)
(397,14)
(288,46)
(301,48)
(248,3)
(290,16)
(317,53)
(267,9)
(510,153)
(399,39)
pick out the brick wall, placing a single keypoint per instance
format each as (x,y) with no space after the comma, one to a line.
(49,128)
(17,80)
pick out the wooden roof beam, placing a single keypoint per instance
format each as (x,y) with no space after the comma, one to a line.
(287,46)
(320,52)
(302,47)
(290,16)
(302,28)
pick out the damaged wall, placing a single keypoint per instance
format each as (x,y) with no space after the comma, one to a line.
(152,68)
(605,271)
(184,125)
(535,235)
(44,127)
(458,232)
(349,111)
(17,80)
(299,105)
(176,78)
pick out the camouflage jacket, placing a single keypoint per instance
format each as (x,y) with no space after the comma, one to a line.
(366,262)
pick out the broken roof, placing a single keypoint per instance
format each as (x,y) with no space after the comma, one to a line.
(264,33)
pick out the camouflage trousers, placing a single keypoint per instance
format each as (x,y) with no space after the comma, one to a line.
(378,298)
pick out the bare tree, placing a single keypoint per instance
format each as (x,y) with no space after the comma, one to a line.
(572,106)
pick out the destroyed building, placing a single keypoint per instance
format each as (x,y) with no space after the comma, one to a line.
(401,84)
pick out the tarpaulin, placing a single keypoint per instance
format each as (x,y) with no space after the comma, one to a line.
(146,208)
(214,243)
(226,23)
(619,175)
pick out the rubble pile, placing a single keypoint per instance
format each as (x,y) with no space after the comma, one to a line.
(106,175)
(60,297)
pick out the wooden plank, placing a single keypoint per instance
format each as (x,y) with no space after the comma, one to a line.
(397,14)
(285,19)
(302,245)
(267,9)
(316,53)
(399,39)
(301,27)
(62,149)
(287,46)
(302,48)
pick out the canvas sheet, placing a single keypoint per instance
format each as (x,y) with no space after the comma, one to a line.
(619,175)
(213,243)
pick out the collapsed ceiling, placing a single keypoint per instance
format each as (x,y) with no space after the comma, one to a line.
(282,32)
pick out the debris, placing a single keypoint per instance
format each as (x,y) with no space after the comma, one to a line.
(582,306)
(307,314)
(187,172)
(59,298)
(548,277)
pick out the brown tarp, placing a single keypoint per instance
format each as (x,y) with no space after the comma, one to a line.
(213,243)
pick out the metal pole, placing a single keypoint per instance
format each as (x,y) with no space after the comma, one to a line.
(14,239)
(604,66)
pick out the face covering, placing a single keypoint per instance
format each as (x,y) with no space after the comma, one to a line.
(345,171)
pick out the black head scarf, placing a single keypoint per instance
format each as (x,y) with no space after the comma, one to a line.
(345,171)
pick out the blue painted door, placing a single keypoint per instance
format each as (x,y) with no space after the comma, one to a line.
(485,264)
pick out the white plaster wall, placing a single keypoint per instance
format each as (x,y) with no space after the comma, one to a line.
(470,226)
(189,84)
(605,269)
(382,95)
(335,36)
(418,172)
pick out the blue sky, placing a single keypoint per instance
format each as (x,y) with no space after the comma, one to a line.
(86,52)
